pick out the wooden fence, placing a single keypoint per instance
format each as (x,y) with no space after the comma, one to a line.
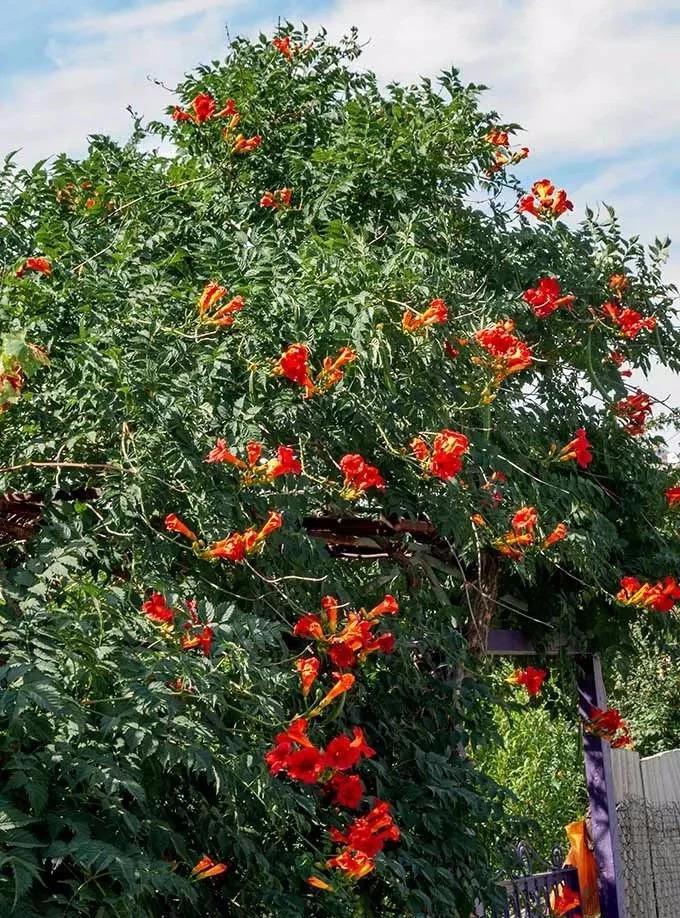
(648,806)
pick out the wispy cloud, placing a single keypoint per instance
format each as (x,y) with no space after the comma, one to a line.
(100,65)
(588,76)
(145,17)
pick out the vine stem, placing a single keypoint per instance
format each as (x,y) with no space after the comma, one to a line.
(102,466)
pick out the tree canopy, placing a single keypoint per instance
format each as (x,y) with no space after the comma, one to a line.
(302,400)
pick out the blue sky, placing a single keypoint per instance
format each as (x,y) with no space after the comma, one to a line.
(595,83)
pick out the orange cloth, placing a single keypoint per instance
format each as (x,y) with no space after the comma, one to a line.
(581,857)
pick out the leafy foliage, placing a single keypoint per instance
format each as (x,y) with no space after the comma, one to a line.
(540,760)
(644,683)
(117,777)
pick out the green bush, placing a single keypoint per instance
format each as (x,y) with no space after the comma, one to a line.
(645,684)
(540,761)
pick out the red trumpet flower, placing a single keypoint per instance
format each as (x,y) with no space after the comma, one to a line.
(174,524)
(39,264)
(545,201)
(531,678)
(565,903)
(578,449)
(507,354)
(445,459)
(282,197)
(237,545)
(204,108)
(661,596)
(158,610)
(207,867)
(437,313)
(672,496)
(546,297)
(211,313)
(360,476)
(635,410)
(629,321)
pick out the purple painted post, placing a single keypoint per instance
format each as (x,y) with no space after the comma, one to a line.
(604,823)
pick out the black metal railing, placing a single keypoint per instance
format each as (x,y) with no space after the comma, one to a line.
(529,893)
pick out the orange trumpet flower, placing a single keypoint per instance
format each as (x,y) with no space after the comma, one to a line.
(343,683)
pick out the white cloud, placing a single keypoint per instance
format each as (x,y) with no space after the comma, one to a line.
(143,17)
(93,80)
(588,76)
